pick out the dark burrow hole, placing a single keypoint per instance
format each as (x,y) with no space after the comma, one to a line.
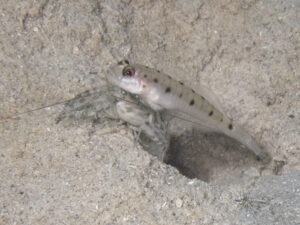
(213,158)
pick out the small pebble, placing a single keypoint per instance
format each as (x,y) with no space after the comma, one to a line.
(76,50)
(179,203)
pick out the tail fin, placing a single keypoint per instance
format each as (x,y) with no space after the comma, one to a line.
(243,137)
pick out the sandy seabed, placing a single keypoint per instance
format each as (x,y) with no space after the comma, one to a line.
(247,52)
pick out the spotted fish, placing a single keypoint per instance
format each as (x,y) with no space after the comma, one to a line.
(161,92)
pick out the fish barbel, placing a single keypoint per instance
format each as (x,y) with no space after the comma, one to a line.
(161,92)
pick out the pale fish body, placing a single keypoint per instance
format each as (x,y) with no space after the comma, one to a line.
(162,92)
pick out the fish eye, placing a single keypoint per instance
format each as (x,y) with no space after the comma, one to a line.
(128,71)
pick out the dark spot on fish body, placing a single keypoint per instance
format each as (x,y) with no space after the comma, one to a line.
(168,89)
(211,113)
(192,102)
(155,80)
(230,127)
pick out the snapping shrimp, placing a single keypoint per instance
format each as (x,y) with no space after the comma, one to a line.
(112,104)
(161,92)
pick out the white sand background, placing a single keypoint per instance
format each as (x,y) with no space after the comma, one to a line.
(247,52)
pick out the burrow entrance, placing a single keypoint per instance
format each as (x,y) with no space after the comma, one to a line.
(214,158)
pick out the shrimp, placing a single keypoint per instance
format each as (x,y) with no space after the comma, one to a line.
(112,104)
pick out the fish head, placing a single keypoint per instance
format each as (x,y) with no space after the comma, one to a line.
(126,77)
